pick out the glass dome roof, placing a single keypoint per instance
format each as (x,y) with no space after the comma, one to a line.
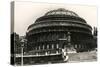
(61,11)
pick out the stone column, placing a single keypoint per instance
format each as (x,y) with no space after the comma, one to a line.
(52,46)
(57,46)
(69,39)
(43,46)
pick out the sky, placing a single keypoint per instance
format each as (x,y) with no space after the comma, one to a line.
(25,13)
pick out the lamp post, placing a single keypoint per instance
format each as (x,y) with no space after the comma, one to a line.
(22,46)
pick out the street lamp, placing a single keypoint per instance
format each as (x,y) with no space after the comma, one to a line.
(22,46)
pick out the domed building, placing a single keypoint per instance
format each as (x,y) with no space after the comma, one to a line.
(57,30)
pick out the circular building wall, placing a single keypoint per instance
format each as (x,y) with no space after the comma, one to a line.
(50,33)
